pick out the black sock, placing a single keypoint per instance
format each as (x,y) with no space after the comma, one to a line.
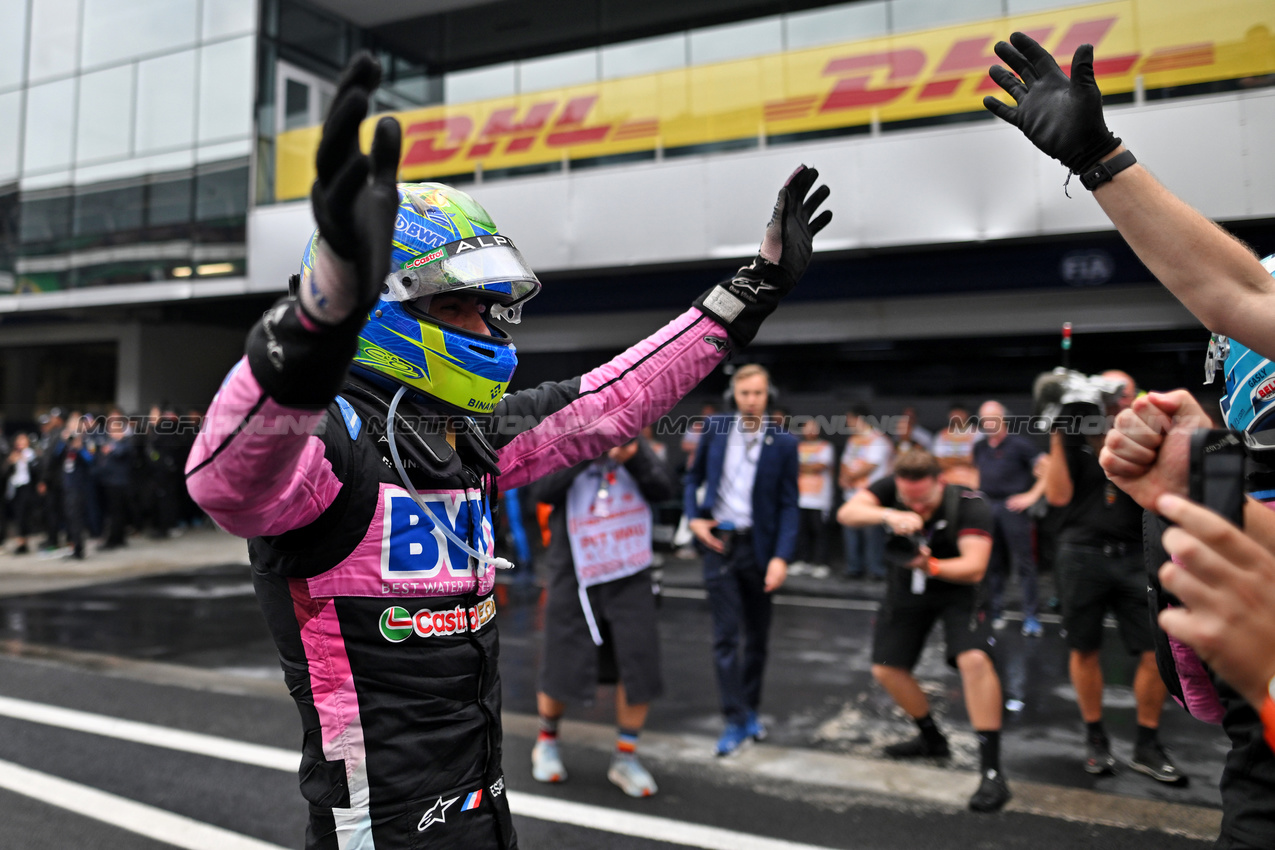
(929,730)
(1147,736)
(1096,732)
(989,749)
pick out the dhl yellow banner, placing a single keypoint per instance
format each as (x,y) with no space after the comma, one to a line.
(914,75)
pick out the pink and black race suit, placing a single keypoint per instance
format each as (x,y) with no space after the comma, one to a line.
(385,628)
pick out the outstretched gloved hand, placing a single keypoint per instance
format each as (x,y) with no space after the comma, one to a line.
(741,303)
(354,198)
(1061,116)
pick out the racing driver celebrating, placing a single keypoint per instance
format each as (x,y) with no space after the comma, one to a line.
(359,444)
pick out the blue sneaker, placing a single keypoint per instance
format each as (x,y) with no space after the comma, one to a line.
(754,727)
(1032,627)
(732,739)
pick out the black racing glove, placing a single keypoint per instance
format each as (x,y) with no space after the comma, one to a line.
(355,196)
(741,303)
(1062,117)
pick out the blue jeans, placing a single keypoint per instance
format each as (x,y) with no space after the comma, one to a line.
(1011,551)
(865,548)
(741,610)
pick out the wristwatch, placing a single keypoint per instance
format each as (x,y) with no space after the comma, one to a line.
(1104,171)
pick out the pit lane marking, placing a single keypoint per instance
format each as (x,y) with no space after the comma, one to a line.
(139,818)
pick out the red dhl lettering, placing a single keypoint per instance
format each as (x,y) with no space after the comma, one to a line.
(882,77)
(441,139)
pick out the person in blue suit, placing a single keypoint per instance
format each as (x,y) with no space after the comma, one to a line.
(746,525)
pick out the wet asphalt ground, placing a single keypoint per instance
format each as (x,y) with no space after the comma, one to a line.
(190,651)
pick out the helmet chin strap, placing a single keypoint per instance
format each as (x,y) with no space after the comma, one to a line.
(483,560)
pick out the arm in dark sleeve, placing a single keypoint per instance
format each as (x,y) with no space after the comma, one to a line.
(789,507)
(695,475)
(653,476)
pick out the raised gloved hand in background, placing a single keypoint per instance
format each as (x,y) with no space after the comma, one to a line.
(741,303)
(1061,116)
(354,198)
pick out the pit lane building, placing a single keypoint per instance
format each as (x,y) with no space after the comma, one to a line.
(155,157)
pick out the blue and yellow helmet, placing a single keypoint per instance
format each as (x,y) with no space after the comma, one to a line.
(1249,402)
(444,241)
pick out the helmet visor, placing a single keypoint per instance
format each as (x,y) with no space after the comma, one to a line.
(490,264)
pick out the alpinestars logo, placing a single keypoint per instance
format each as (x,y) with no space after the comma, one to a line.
(436,814)
(755,287)
(717,342)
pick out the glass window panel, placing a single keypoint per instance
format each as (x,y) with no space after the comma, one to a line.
(737,41)
(645,56)
(225,92)
(55,32)
(170,202)
(838,24)
(13,34)
(45,219)
(10,126)
(911,15)
(105,124)
(165,102)
(222,196)
(229,17)
(316,34)
(479,84)
(123,29)
(50,116)
(296,104)
(113,211)
(555,72)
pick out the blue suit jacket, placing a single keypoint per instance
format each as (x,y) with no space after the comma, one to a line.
(775,510)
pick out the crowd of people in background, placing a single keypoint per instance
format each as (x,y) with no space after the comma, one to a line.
(85,481)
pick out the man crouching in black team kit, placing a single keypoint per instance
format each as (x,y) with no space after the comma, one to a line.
(938,555)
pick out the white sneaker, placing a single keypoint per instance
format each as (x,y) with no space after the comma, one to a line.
(546,764)
(631,777)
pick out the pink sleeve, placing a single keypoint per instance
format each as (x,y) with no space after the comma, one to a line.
(256,467)
(618,399)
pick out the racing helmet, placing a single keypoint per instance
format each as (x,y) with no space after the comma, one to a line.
(444,241)
(1249,401)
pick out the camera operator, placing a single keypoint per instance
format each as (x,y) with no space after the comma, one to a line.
(939,552)
(1100,569)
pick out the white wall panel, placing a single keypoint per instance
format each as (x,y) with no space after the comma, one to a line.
(548,248)
(1257,134)
(923,187)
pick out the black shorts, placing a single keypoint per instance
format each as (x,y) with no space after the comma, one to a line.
(572,666)
(904,623)
(1091,584)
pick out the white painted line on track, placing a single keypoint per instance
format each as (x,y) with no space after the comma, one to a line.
(805,601)
(138,818)
(156,736)
(644,826)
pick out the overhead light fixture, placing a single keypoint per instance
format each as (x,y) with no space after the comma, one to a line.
(182,271)
(214,268)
